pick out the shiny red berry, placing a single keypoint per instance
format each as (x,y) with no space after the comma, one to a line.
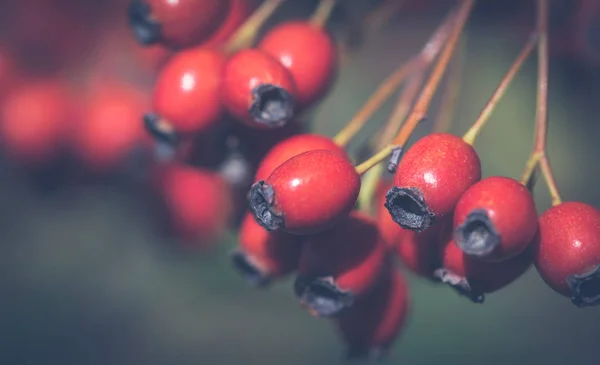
(372,324)
(306,194)
(474,278)
(431,177)
(294,146)
(264,256)
(198,203)
(495,219)
(308,52)
(239,10)
(258,90)
(186,93)
(339,265)
(420,252)
(176,24)
(567,251)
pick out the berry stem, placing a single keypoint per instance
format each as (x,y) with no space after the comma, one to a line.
(322,13)
(451,92)
(538,155)
(421,61)
(489,107)
(419,110)
(246,34)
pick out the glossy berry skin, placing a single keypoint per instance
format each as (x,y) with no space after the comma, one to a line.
(294,146)
(264,256)
(110,130)
(34,119)
(430,179)
(198,203)
(257,90)
(372,324)
(176,24)
(495,219)
(306,194)
(186,93)
(567,251)
(474,278)
(340,265)
(239,10)
(308,52)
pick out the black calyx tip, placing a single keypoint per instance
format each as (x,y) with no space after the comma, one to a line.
(260,199)
(408,208)
(321,296)
(160,130)
(460,284)
(585,288)
(366,353)
(477,236)
(145,29)
(249,269)
(272,106)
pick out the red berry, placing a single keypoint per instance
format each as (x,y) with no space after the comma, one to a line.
(198,202)
(34,118)
(177,24)
(431,177)
(339,265)
(495,219)
(420,252)
(371,325)
(263,256)
(110,128)
(306,194)
(258,90)
(567,251)
(8,72)
(308,53)
(294,146)
(186,93)
(239,10)
(474,278)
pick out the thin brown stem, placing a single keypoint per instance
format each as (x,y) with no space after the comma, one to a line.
(489,107)
(451,93)
(322,13)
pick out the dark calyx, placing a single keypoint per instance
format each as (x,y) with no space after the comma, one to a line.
(248,269)
(145,30)
(272,106)
(260,199)
(408,208)
(159,130)
(322,296)
(460,284)
(477,236)
(585,288)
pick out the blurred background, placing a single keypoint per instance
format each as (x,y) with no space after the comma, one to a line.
(89,274)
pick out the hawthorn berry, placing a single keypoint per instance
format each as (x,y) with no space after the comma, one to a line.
(306,194)
(186,93)
(567,251)
(176,24)
(258,90)
(474,278)
(308,52)
(420,252)
(239,10)
(34,119)
(339,265)
(430,179)
(294,146)
(263,256)
(198,202)
(372,324)
(495,219)
(110,128)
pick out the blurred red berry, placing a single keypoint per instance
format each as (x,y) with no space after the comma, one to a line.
(239,10)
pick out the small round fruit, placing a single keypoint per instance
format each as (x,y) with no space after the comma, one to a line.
(431,177)
(495,219)
(258,90)
(567,251)
(176,24)
(263,256)
(340,265)
(474,278)
(306,194)
(372,324)
(239,10)
(420,252)
(308,52)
